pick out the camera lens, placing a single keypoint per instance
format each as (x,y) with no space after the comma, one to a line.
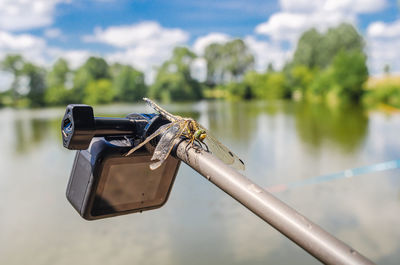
(67,127)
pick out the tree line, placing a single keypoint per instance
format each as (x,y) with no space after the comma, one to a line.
(326,67)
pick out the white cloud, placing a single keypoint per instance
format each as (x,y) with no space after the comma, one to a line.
(52,33)
(355,6)
(384,30)
(266,52)
(202,42)
(383,42)
(284,26)
(23,14)
(6,80)
(198,69)
(381,53)
(348,6)
(75,58)
(31,47)
(300,5)
(298,16)
(36,50)
(133,35)
(144,45)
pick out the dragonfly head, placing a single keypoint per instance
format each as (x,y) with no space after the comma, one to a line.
(200,134)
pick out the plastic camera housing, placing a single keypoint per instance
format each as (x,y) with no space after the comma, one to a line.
(77,126)
(105,183)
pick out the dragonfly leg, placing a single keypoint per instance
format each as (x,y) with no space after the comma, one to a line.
(202,143)
(190,144)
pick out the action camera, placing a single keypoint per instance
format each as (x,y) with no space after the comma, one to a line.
(104,182)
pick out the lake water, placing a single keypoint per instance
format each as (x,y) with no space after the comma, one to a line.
(280,143)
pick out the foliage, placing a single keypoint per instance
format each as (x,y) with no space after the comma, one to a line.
(95,68)
(327,67)
(99,92)
(174,80)
(14,64)
(128,83)
(58,76)
(308,49)
(59,82)
(59,95)
(271,85)
(350,73)
(320,85)
(385,90)
(37,86)
(227,62)
(236,90)
(386,69)
(316,50)
(302,76)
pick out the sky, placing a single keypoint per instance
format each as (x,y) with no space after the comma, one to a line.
(143,33)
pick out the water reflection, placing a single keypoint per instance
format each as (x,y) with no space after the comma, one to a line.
(29,133)
(345,126)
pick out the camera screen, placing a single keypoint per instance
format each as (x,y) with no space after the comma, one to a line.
(127,183)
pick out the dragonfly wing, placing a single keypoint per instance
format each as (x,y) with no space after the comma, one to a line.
(160,110)
(222,152)
(166,143)
(152,136)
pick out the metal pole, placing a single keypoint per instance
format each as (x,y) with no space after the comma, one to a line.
(289,222)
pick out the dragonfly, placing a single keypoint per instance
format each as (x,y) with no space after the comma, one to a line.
(191,130)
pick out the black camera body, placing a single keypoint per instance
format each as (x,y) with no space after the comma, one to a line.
(104,182)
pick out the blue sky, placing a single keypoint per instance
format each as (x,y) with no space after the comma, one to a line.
(143,33)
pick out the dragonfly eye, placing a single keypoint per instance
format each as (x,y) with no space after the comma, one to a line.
(202,136)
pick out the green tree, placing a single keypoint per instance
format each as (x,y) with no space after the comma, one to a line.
(59,84)
(227,62)
(387,92)
(270,85)
(99,92)
(97,68)
(14,64)
(316,50)
(308,49)
(94,68)
(386,69)
(37,85)
(59,73)
(299,79)
(322,65)
(128,83)
(174,80)
(270,68)
(350,72)
(237,90)
(321,84)
(342,38)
